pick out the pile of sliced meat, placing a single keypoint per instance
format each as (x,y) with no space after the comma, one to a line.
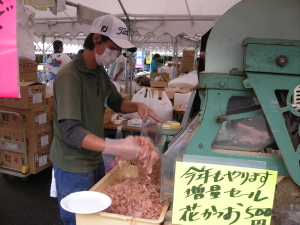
(140,196)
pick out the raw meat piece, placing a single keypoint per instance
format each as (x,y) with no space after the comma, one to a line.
(140,196)
(132,197)
(148,161)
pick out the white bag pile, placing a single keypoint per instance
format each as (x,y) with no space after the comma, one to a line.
(162,108)
(185,81)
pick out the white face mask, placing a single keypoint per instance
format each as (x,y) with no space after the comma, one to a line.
(108,57)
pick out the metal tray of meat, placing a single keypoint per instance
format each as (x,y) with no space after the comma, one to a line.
(117,219)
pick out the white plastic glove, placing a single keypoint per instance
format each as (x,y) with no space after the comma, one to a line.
(126,148)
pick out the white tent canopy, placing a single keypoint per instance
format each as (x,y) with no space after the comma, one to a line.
(190,18)
(47,48)
(177,16)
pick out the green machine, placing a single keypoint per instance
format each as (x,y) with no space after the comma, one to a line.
(272,75)
(249,94)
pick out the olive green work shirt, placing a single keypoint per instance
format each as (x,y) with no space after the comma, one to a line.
(80,94)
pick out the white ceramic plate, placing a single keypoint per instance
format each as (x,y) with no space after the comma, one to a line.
(85,202)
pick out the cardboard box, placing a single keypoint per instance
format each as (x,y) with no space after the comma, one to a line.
(107,116)
(117,219)
(36,161)
(34,119)
(188,53)
(33,95)
(37,141)
(159,83)
(27,66)
(187,60)
(178,113)
(1,119)
(2,101)
(126,96)
(28,76)
(49,102)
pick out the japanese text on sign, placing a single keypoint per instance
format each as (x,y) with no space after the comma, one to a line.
(140,58)
(217,194)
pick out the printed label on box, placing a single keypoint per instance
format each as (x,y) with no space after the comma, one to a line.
(11,146)
(44,140)
(36,157)
(29,91)
(37,98)
(42,118)
(43,160)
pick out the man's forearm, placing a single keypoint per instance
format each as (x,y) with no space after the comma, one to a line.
(94,143)
(129,106)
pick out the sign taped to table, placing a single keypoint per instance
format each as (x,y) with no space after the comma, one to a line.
(209,194)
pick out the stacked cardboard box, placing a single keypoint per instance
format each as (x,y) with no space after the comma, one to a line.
(160,83)
(27,70)
(36,116)
(187,61)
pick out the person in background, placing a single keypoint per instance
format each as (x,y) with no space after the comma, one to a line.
(120,67)
(112,69)
(82,91)
(154,64)
(57,60)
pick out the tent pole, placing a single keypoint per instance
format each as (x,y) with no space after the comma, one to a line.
(131,76)
(126,74)
(127,18)
(129,35)
(198,45)
(43,41)
(175,58)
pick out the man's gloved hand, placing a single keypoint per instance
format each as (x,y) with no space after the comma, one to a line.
(126,148)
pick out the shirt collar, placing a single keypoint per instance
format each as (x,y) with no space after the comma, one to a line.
(80,64)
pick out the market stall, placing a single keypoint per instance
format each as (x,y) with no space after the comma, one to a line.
(232,141)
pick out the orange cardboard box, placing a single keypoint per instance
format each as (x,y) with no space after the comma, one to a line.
(27,66)
(36,140)
(34,119)
(49,102)
(28,76)
(33,95)
(188,53)
(36,161)
(159,84)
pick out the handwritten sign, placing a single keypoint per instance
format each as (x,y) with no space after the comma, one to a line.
(209,194)
(9,77)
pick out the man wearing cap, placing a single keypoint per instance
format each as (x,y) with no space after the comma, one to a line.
(82,90)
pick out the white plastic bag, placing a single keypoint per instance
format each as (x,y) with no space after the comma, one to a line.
(162,108)
(185,81)
(25,28)
(140,97)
